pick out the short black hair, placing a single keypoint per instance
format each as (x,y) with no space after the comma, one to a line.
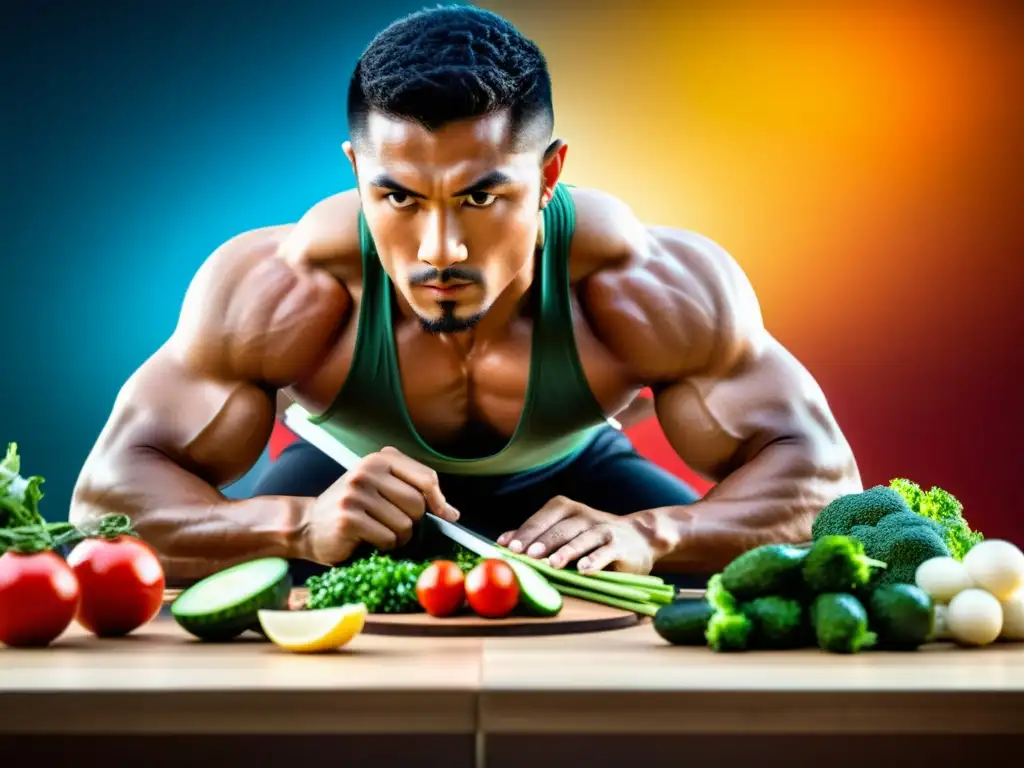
(449,63)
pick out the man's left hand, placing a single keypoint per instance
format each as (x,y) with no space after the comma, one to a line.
(564,530)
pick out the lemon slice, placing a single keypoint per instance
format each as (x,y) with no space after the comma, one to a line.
(323,629)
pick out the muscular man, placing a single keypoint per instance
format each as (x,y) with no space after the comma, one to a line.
(466,322)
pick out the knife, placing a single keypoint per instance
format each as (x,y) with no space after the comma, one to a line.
(296,418)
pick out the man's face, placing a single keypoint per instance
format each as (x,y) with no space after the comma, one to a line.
(454,213)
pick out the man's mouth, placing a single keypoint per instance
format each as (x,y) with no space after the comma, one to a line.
(445,289)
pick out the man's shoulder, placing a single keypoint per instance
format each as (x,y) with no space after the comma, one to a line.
(656,291)
(610,240)
(327,236)
(263,291)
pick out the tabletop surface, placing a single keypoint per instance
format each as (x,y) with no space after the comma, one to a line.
(161,678)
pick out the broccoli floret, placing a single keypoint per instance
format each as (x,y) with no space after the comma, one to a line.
(901,547)
(838,564)
(864,508)
(728,631)
(778,622)
(718,596)
(945,509)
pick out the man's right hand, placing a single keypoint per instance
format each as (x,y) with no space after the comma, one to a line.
(376,501)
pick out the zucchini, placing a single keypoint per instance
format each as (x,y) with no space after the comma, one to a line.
(771,569)
(226,604)
(684,621)
(536,595)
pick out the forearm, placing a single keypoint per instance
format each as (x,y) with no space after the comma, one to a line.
(774,497)
(195,530)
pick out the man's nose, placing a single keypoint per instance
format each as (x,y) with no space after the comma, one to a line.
(442,245)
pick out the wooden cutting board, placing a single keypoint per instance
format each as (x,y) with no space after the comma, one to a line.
(576,616)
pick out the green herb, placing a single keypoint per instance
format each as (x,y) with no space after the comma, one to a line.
(19,496)
(29,539)
(382,584)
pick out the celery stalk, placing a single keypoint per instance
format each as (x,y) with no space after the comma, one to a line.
(620,591)
(648,609)
(630,579)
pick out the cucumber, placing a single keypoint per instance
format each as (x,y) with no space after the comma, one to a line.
(684,621)
(770,569)
(902,615)
(225,604)
(536,595)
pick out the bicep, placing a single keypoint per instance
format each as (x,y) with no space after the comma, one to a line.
(212,429)
(717,423)
(250,324)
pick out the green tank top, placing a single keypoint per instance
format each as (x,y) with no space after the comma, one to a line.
(560,414)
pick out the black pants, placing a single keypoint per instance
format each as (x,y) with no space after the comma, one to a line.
(608,475)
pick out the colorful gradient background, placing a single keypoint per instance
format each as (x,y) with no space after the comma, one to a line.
(862,162)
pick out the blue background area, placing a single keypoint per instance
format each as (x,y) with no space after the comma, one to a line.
(137,137)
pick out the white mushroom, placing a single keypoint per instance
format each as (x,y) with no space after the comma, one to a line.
(943,578)
(974,617)
(997,566)
(1013,617)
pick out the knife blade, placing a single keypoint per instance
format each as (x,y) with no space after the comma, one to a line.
(296,418)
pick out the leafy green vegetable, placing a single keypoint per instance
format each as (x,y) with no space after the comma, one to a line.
(838,564)
(945,509)
(382,584)
(19,496)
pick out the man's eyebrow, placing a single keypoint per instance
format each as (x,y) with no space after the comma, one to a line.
(386,182)
(485,182)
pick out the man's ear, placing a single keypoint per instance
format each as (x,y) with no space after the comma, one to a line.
(351,155)
(551,170)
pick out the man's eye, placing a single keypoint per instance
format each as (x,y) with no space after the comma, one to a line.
(400,199)
(481,199)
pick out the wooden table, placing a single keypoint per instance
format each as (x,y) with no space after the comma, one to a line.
(597,699)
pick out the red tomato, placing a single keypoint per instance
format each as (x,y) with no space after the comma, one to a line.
(39,595)
(492,589)
(122,584)
(441,588)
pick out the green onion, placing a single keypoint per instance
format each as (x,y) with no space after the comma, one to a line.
(632,579)
(647,609)
(620,591)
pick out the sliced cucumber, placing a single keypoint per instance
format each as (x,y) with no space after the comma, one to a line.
(536,595)
(226,604)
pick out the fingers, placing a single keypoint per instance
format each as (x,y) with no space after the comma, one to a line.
(556,510)
(581,545)
(599,559)
(389,515)
(424,479)
(557,535)
(405,497)
(361,521)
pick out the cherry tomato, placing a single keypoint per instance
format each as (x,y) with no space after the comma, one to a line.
(39,595)
(441,588)
(122,584)
(492,589)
